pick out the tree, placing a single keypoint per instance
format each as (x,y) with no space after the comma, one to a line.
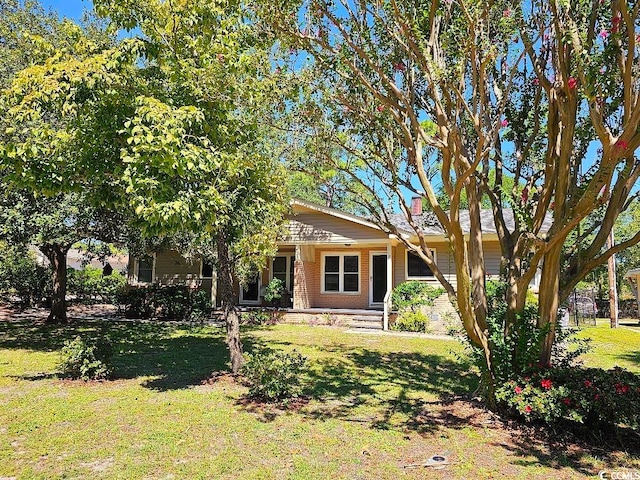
(54,224)
(525,89)
(166,126)
(196,155)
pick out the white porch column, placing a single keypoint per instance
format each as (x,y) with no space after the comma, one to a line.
(387,303)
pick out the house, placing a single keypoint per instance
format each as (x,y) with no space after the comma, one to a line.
(79,259)
(334,263)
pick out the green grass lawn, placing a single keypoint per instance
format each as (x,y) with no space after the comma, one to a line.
(374,406)
(614,347)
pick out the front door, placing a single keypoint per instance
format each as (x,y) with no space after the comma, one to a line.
(378,286)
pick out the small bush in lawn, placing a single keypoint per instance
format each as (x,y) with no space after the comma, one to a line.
(593,396)
(86,359)
(409,321)
(274,375)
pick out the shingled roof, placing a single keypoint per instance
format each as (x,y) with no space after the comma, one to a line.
(430,225)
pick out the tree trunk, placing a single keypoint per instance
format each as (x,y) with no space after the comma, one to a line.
(57,255)
(549,301)
(228,304)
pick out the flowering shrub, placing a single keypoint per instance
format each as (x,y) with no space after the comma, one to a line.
(586,395)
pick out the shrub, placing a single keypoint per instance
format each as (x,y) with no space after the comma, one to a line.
(409,321)
(274,375)
(89,285)
(175,302)
(22,276)
(274,291)
(137,302)
(86,359)
(513,353)
(592,396)
(261,317)
(172,302)
(413,294)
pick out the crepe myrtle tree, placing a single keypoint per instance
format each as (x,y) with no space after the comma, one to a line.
(434,95)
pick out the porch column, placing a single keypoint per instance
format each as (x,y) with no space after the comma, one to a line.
(387,304)
(214,288)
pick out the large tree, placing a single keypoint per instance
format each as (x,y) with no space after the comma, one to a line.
(544,94)
(165,124)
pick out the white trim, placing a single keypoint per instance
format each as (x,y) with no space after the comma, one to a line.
(371,255)
(340,272)
(335,213)
(406,265)
(242,301)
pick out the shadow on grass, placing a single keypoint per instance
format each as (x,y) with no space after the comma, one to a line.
(175,356)
(631,357)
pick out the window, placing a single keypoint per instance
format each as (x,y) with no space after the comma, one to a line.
(145,270)
(416,268)
(282,268)
(340,273)
(207,269)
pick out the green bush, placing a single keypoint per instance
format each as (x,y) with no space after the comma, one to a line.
(409,321)
(593,396)
(173,302)
(413,294)
(90,285)
(255,317)
(22,276)
(274,375)
(274,291)
(86,359)
(514,353)
(137,302)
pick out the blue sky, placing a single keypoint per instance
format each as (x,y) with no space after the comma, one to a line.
(68,8)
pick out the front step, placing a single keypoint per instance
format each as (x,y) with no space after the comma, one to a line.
(372,321)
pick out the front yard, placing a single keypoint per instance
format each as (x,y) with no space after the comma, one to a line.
(374,405)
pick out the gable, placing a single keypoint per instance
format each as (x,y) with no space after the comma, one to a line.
(313,225)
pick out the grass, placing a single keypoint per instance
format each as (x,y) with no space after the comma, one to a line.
(614,347)
(375,405)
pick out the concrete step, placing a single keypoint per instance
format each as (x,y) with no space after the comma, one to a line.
(366,325)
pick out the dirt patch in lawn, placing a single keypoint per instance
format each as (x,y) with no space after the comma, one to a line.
(471,437)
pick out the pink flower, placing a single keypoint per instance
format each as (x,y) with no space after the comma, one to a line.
(525,195)
(604,34)
(572,82)
(546,384)
(504,122)
(536,81)
(399,67)
(588,383)
(621,388)
(596,396)
(518,390)
(566,401)
(528,409)
(506,13)
(380,108)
